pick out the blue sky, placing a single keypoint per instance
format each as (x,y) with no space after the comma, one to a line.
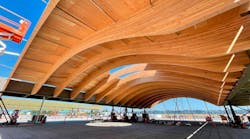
(31,10)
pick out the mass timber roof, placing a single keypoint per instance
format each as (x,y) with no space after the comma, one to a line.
(178,49)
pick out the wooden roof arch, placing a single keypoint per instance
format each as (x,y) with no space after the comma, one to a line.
(215,76)
(205,43)
(167,83)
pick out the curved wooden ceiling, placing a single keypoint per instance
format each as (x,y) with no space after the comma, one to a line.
(176,48)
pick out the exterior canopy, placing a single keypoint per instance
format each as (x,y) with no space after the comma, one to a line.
(177,49)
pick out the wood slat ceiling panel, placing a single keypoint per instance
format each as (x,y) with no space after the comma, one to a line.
(59,38)
(84,11)
(35,65)
(37,55)
(62,22)
(122,9)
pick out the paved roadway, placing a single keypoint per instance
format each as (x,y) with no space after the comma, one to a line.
(222,132)
(135,131)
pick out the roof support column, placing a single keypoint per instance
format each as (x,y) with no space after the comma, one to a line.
(39,112)
(237,121)
(229,118)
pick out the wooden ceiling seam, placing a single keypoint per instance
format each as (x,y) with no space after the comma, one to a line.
(101,9)
(93,29)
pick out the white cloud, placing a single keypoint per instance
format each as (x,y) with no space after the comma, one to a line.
(11,53)
(5,66)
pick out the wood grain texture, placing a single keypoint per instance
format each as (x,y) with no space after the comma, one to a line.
(192,47)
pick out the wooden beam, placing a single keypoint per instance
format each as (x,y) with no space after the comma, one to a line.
(93,90)
(168,80)
(135,28)
(101,95)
